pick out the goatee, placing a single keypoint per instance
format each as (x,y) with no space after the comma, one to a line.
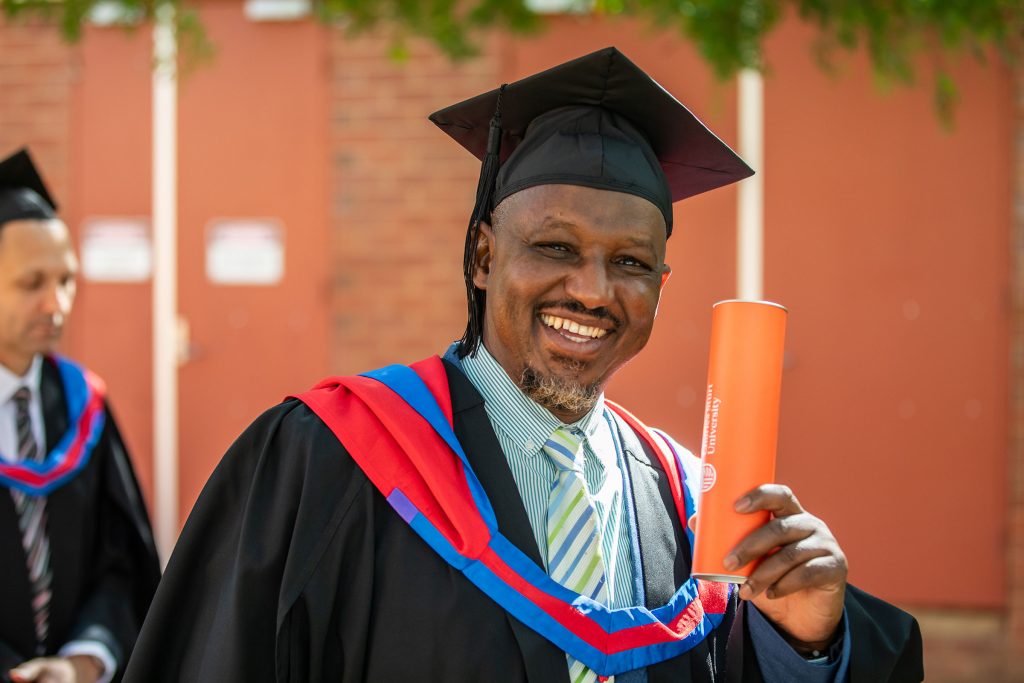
(563,394)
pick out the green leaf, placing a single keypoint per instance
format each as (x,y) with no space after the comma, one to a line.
(729,34)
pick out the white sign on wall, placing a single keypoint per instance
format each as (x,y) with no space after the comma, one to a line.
(117,250)
(244,251)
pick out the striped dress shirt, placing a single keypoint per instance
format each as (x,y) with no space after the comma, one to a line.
(522,427)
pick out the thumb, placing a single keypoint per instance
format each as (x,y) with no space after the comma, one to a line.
(692,523)
(27,672)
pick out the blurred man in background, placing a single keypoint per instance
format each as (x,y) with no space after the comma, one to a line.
(77,562)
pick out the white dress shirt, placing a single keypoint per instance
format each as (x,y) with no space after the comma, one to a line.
(9,384)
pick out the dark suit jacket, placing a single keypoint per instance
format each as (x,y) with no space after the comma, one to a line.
(105,567)
(293,567)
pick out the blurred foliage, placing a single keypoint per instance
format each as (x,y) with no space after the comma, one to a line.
(896,34)
(193,43)
(729,34)
(450,24)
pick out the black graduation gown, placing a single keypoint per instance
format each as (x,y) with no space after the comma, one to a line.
(105,567)
(293,567)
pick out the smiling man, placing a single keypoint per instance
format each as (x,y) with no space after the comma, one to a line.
(488,515)
(574,276)
(77,561)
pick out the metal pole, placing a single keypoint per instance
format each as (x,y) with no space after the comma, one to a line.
(165,280)
(750,212)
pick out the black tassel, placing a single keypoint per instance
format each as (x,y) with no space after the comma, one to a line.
(476,298)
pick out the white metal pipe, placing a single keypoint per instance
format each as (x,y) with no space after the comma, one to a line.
(165,280)
(750,211)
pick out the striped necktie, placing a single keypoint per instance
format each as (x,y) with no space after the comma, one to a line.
(32,523)
(574,546)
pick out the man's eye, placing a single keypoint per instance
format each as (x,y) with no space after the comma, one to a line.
(633,263)
(555,247)
(30,284)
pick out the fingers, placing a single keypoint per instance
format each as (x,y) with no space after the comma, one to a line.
(798,551)
(27,672)
(796,548)
(814,563)
(43,670)
(777,499)
(777,533)
(825,573)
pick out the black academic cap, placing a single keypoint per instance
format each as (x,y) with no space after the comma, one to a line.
(22,192)
(598,121)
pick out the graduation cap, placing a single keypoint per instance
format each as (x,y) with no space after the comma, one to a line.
(22,192)
(598,121)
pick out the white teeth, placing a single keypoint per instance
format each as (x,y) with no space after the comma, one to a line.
(570,326)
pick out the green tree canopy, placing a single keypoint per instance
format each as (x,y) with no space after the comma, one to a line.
(729,34)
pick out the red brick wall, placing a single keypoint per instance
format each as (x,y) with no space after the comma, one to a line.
(1015,480)
(37,70)
(402,194)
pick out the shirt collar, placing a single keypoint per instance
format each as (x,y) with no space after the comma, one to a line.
(10,383)
(526,422)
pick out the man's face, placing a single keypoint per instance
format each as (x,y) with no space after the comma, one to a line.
(572,277)
(37,288)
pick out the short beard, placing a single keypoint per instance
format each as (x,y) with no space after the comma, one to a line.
(560,393)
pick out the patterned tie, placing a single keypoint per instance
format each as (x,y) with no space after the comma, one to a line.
(32,522)
(574,546)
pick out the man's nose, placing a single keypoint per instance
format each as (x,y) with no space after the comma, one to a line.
(57,299)
(590,285)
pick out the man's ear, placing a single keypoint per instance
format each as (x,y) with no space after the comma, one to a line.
(482,256)
(665,274)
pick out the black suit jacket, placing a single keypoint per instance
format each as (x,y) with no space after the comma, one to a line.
(293,567)
(104,562)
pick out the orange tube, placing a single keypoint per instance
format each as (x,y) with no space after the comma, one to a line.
(741,426)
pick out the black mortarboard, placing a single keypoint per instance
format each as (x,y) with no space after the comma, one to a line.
(598,121)
(22,192)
